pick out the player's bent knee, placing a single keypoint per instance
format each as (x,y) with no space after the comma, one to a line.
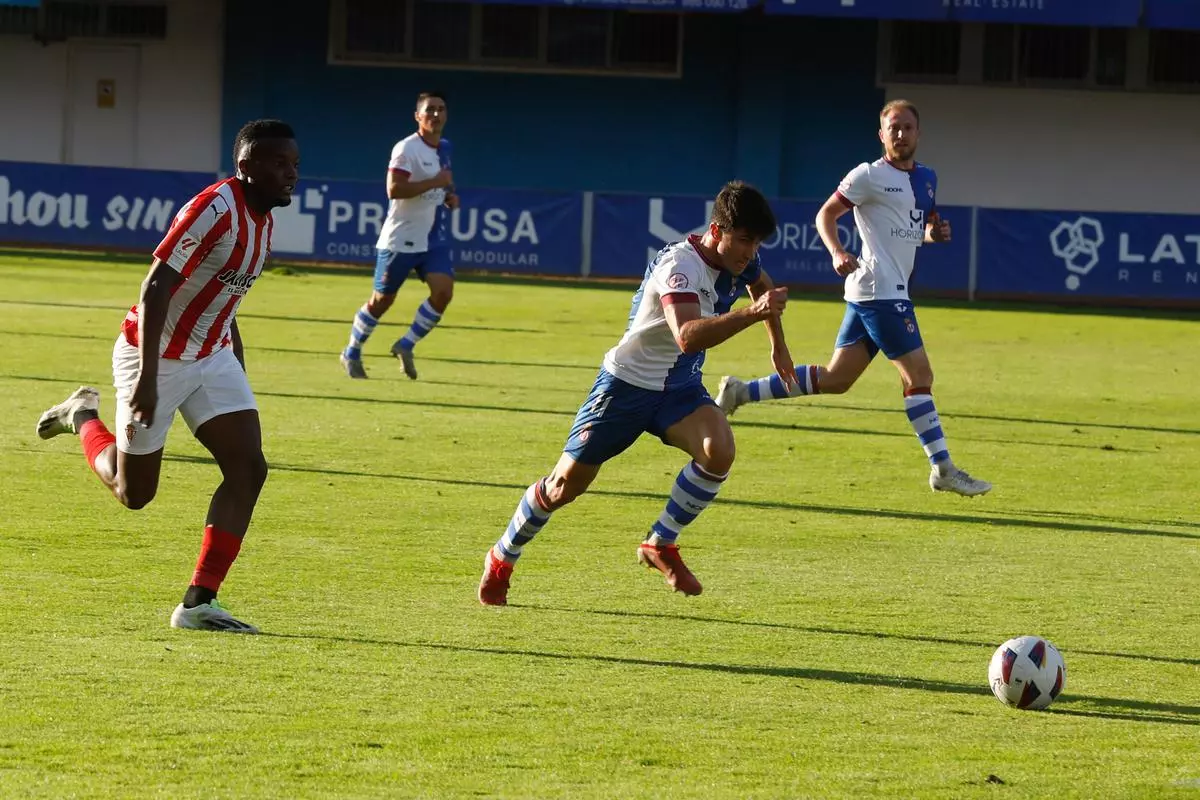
(380,303)
(562,494)
(135,498)
(252,475)
(258,471)
(441,299)
(718,462)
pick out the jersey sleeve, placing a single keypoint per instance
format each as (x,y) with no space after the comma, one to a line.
(855,188)
(194,232)
(401,160)
(677,280)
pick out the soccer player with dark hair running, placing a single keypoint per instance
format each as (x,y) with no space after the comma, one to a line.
(420,188)
(180,350)
(894,200)
(651,383)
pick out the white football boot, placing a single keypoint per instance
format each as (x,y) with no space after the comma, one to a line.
(61,418)
(732,394)
(958,481)
(209,617)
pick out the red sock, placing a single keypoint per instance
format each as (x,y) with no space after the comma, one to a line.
(96,439)
(217,554)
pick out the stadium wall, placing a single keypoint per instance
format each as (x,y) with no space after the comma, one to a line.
(1045,149)
(747,105)
(159,112)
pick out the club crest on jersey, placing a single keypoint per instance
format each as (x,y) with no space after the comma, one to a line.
(929,189)
(677,280)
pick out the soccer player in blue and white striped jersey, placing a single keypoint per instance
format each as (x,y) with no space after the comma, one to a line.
(895,209)
(651,383)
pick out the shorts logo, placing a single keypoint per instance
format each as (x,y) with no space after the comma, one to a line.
(909,326)
(901,308)
(584,435)
(130,431)
(677,280)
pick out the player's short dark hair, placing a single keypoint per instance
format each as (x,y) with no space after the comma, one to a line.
(439,94)
(257,130)
(899,104)
(740,206)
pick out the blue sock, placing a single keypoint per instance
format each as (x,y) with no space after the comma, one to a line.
(694,489)
(360,331)
(530,516)
(425,320)
(772,388)
(923,415)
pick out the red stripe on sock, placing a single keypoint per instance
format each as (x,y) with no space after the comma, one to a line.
(918,390)
(96,439)
(217,555)
(539,494)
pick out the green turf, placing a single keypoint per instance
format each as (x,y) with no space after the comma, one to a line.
(840,647)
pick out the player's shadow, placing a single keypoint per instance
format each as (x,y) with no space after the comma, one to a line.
(830,631)
(1107,707)
(990,521)
(1021,420)
(993,518)
(571,413)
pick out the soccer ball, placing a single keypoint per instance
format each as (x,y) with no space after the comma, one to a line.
(1027,672)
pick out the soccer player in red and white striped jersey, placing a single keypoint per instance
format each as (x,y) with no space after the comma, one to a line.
(180,350)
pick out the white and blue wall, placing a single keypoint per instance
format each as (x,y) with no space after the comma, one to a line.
(1065,194)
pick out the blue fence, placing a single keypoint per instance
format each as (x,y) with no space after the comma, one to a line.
(995,253)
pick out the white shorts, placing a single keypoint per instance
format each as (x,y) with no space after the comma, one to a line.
(199,390)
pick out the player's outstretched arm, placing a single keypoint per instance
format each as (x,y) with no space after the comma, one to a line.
(693,333)
(781,357)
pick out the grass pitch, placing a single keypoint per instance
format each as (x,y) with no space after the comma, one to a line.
(840,648)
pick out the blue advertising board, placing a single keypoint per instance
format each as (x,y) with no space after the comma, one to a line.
(638,5)
(1121,13)
(509,230)
(1062,255)
(869,9)
(1184,14)
(1089,255)
(126,209)
(627,230)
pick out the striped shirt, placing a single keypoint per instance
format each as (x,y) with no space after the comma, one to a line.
(219,245)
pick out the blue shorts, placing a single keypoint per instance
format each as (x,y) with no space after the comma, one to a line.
(887,325)
(391,268)
(616,413)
